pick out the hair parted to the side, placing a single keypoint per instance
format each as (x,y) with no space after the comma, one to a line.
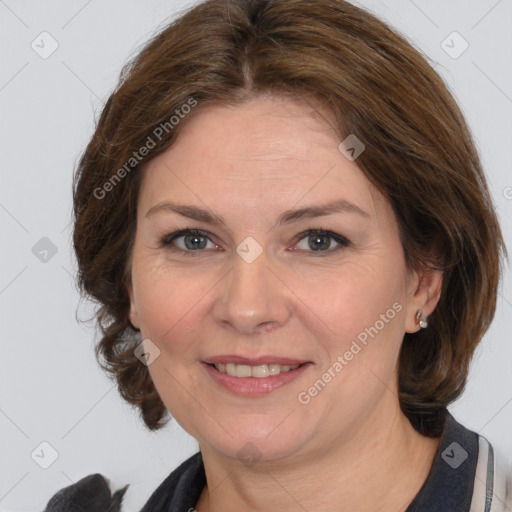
(419,154)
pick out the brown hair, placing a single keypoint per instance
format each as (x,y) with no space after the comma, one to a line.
(419,154)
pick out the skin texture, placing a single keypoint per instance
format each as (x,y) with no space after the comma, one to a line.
(349,445)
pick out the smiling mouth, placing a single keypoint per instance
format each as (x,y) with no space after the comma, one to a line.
(259,371)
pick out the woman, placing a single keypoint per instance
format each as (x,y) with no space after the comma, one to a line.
(285,221)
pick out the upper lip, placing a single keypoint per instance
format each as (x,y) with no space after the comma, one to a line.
(254,361)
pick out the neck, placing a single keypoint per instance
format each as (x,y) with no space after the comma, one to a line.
(381,468)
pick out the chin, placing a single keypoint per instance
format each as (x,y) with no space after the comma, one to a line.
(252,442)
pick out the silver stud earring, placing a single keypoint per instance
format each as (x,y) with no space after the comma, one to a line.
(421,319)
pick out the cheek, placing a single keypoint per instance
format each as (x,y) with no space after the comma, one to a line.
(354,296)
(363,317)
(168,304)
(363,312)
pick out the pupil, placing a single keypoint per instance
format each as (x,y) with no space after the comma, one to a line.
(317,241)
(195,242)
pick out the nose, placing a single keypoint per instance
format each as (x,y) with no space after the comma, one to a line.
(252,297)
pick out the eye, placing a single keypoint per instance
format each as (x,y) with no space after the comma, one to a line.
(320,240)
(192,241)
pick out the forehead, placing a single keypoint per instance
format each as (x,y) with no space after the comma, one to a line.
(270,152)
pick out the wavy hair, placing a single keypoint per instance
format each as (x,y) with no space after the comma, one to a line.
(419,153)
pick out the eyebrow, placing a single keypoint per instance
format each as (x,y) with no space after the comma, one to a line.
(288,217)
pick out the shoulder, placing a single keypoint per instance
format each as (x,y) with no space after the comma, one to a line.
(493,479)
(90,494)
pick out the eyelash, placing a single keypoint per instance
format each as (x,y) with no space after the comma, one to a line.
(167,240)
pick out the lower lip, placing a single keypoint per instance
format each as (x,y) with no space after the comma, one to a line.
(253,386)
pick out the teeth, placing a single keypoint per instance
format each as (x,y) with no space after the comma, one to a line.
(274,369)
(260,371)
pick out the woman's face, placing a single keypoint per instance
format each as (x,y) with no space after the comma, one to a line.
(261,287)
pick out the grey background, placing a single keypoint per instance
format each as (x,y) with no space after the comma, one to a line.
(51,389)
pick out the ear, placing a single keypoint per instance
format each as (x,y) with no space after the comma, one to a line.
(134,316)
(424,294)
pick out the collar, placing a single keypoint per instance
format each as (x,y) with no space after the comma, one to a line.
(449,485)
